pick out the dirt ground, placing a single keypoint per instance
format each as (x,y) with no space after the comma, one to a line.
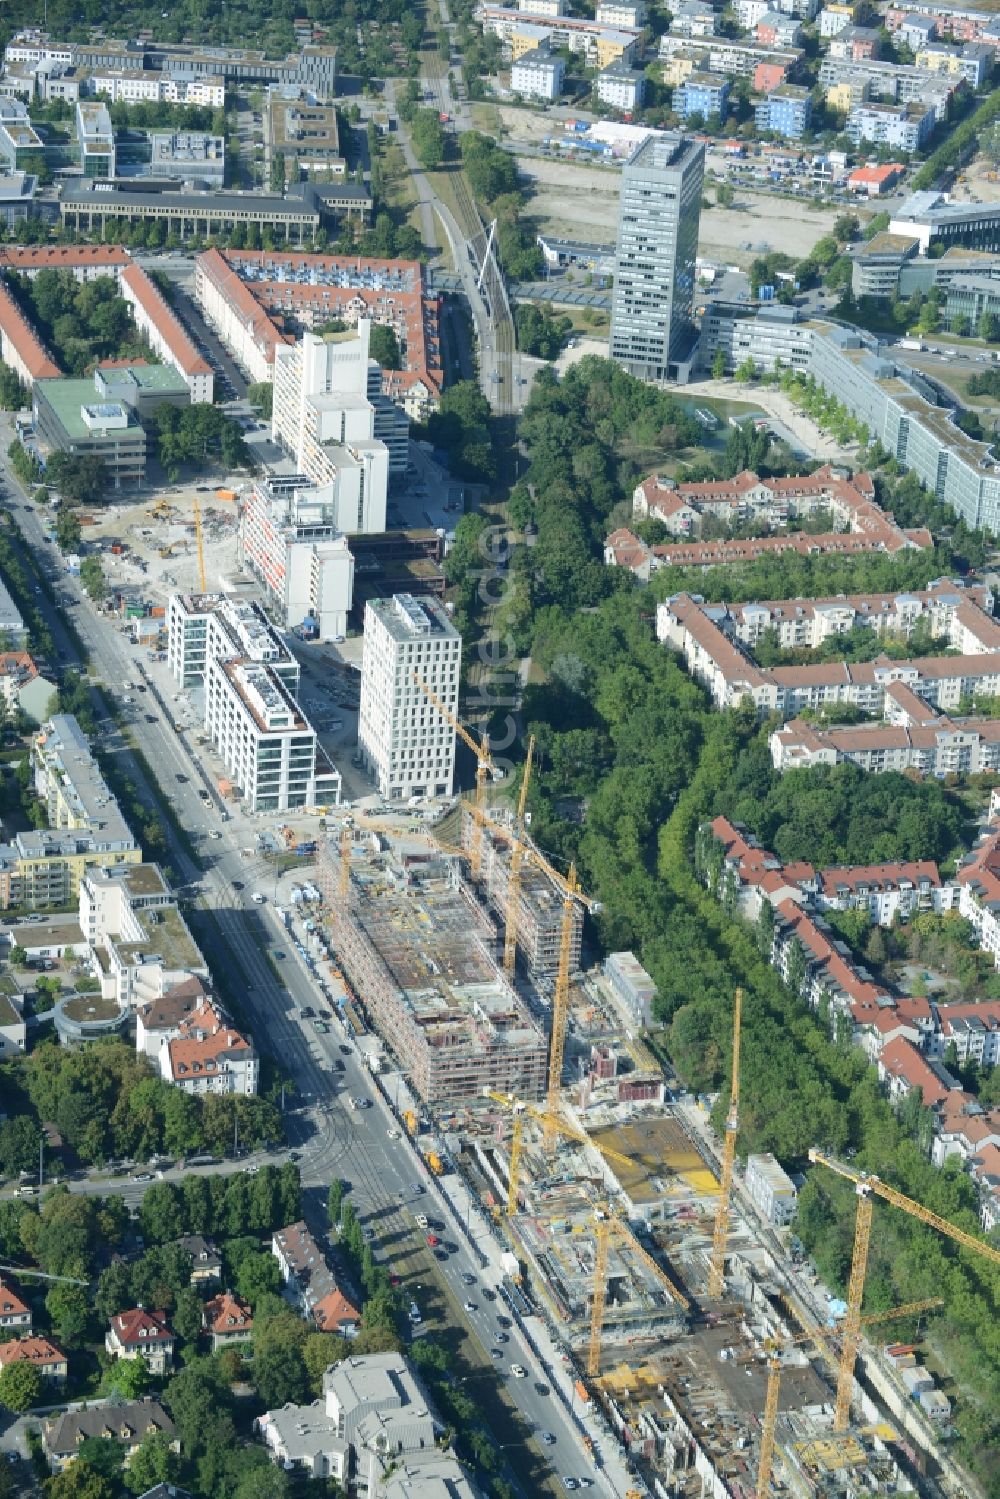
(144,534)
(979,183)
(582,202)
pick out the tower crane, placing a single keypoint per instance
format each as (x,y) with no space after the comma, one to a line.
(775,1346)
(609,1223)
(484,764)
(519,1112)
(867,1189)
(720,1232)
(200,543)
(514,887)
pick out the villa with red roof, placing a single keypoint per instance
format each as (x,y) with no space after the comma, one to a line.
(141,1334)
(42,1355)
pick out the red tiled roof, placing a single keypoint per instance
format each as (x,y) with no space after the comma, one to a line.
(61,257)
(203,1041)
(11,1304)
(137,1327)
(34,1350)
(227,1313)
(165,320)
(333,1311)
(879,876)
(901,1059)
(24,340)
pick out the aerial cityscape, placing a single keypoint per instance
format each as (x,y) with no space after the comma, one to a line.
(499,749)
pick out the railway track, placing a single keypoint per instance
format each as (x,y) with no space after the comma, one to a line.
(434,68)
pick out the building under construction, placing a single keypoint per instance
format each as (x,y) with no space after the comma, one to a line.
(420,952)
(540,904)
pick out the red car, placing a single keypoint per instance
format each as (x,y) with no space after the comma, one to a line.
(433,1240)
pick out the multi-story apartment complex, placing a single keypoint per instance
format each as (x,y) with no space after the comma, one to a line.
(703,94)
(290,543)
(620,86)
(405,742)
(538,74)
(901,127)
(659,213)
(443,1006)
(250,679)
(705,636)
(324,417)
(601,45)
(253,298)
(924,741)
(785,111)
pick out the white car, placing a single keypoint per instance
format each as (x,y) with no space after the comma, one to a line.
(421,1220)
(518,1372)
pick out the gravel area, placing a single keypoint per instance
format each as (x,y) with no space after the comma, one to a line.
(582,202)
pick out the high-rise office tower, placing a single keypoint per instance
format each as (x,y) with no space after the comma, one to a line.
(659,209)
(406,743)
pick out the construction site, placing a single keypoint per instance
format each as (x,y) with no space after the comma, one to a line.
(714,1354)
(420,952)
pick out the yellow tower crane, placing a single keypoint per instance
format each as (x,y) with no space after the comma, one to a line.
(720,1233)
(484,764)
(609,1223)
(519,1111)
(514,887)
(868,1188)
(775,1347)
(200,543)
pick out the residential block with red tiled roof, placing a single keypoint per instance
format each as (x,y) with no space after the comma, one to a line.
(42,1355)
(167,336)
(15,1313)
(258,299)
(310,1282)
(706,636)
(20,346)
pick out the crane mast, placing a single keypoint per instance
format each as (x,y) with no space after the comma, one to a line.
(720,1232)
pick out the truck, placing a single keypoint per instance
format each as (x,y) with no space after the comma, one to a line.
(915,344)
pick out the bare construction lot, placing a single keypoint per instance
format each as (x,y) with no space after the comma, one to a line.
(581,202)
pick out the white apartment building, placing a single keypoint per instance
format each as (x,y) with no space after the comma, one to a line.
(135,86)
(543,7)
(538,74)
(618,13)
(323,416)
(139,942)
(290,543)
(268,746)
(621,87)
(404,741)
